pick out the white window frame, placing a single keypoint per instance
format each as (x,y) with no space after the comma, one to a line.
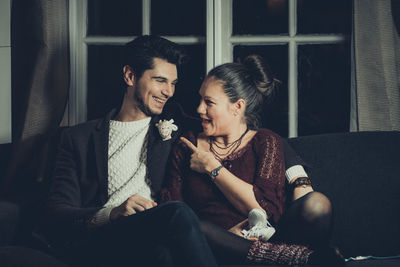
(293,40)
(219,49)
(79,41)
(5,72)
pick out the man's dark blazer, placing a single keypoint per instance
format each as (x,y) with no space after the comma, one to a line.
(79,184)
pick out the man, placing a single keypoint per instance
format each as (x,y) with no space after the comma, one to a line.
(102,204)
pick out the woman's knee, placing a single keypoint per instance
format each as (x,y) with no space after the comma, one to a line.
(316,205)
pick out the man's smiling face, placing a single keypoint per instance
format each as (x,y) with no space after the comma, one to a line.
(155,87)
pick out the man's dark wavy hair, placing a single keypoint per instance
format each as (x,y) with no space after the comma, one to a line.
(140,52)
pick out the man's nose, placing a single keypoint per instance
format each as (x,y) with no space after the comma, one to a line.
(168,90)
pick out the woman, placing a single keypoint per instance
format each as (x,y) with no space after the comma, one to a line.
(233,167)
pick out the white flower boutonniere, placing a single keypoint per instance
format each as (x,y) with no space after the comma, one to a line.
(165,128)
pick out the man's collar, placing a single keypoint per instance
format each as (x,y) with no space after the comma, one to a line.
(103,123)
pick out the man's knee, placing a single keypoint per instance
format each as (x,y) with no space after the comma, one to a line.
(181,216)
(178,208)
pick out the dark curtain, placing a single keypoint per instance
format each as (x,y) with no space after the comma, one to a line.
(40,84)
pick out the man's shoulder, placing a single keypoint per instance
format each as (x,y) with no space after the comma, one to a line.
(83,130)
(84,127)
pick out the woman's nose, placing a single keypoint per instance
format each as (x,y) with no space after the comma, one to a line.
(200,108)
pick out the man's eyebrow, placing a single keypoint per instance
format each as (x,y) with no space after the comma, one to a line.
(164,78)
(159,77)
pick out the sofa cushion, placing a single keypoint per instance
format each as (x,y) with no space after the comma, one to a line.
(13,256)
(9,218)
(362,263)
(360,173)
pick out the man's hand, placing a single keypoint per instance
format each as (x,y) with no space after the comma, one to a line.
(132,205)
(201,161)
(237,229)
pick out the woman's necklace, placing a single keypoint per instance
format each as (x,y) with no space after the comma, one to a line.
(228,149)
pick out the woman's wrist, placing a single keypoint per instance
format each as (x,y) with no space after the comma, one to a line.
(215,172)
(212,165)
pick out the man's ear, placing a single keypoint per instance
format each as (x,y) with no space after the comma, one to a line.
(129,76)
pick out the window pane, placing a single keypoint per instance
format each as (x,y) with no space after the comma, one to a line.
(190,79)
(316,16)
(116,18)
(324,88)
(260,17)
(178,17)
(106,85)
(274,114)
(105,81)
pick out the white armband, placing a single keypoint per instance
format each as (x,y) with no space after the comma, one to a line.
(295,172)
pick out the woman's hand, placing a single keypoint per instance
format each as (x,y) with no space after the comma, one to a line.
(237,229)
(201,161)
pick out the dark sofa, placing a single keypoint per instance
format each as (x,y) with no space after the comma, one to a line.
(360,173)
(13,253)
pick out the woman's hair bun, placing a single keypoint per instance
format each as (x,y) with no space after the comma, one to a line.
(261,73)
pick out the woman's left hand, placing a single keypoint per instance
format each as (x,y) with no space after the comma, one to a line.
(201,161)
(237,229)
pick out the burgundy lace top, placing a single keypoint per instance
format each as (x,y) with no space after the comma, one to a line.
(260,163)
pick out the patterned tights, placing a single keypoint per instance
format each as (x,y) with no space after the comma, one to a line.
(304,229)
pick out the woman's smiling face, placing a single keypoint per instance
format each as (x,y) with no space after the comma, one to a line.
(215,109)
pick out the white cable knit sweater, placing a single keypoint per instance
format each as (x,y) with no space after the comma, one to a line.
(127,150)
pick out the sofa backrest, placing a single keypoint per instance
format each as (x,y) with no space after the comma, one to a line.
(360,173)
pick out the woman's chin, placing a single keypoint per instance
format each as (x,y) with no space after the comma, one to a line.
(207,132)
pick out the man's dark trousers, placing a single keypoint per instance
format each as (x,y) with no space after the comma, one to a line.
(166,235)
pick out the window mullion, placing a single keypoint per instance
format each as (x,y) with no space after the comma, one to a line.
(218,32)
(284,39)
(222,31)
(78,62)
(210,35)
(292,72)
(292,87)
(146,16)
(292,18)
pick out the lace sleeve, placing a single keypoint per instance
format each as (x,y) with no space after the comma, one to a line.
(269,183)
(178,163)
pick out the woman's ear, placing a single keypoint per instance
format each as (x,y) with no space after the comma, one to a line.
(129,76)
(239,107)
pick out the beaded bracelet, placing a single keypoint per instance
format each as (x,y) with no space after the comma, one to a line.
(300,181)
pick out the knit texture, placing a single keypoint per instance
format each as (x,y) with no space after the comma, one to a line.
(127,175)
(278,253)
(127,161)
(295,172)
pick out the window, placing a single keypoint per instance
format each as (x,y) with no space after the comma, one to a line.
(5,72)
(302,40)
